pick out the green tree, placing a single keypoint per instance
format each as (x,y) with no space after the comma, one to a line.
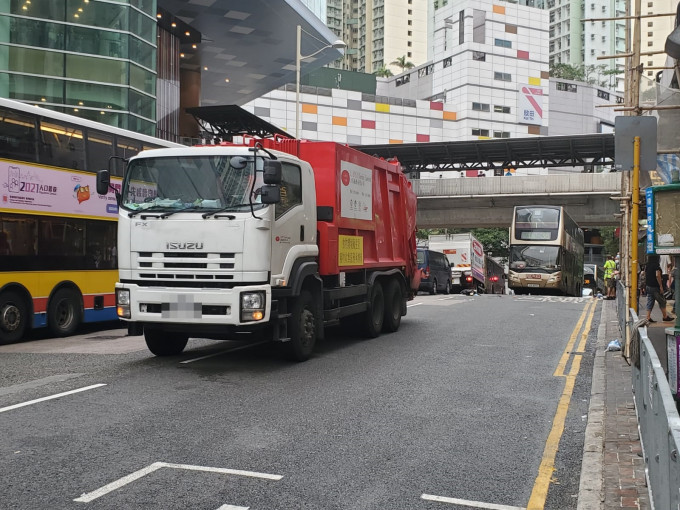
(402,63)
(383,72)
(567,72)
(494,240)
(611,242)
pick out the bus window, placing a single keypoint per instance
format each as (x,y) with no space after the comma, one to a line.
(62,146)
(17,136)
(99,150)
(125,148)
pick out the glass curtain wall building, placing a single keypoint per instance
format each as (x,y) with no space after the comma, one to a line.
(95,59)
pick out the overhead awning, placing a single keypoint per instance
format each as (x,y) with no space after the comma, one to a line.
(227,121)
(534,152)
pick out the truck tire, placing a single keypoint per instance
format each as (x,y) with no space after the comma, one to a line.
(302,328)
(13,317)
(375,314)
(65,312)
(162,343)
(393,299)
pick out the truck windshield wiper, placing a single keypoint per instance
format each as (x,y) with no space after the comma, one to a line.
(156,208)
(218,211)
(183,209)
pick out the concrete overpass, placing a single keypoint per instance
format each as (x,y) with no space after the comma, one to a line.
(488,201)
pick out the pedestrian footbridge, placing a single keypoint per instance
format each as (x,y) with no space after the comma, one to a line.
(489,201)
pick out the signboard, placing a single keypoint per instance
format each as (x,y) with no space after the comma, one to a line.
(665,219)
(626,129)
(29,188)
(350,250)
(530,105)
(649,203)
(356,191)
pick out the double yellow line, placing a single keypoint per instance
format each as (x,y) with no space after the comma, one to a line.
(545,471)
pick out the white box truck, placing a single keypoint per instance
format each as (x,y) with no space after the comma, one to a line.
(466,256)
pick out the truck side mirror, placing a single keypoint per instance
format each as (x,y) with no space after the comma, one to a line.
(270,194)
(272,172)
(103,182)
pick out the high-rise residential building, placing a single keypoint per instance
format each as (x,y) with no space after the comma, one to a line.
(318,7)
(577,42)
(654,33)
(379,32)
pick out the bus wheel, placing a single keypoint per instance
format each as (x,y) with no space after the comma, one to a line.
(162,343)
(64,313)
(373,317)
(302,328)
(13,317)
(393,299)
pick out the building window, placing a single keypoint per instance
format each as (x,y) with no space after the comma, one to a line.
(502,76)
(478,26)
(565,87)
(410,33)
(502,43)
(409,54)
(461,27)
(650,43)
(480,132)
(603,95)
(479,56)
(501,134)
(447,61)
(501,109)
(480,107)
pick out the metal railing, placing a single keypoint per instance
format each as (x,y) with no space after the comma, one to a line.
(658,421)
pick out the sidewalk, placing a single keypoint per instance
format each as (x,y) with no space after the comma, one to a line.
(613,471)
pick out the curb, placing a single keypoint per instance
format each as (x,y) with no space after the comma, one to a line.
(590,494)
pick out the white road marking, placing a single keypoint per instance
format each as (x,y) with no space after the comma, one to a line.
(414,304)
(232,507)
(473,504)
(30,402)
(121,482)
(223,352)
(16,388)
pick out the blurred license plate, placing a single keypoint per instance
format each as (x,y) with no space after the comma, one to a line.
(532,284)
(534,276)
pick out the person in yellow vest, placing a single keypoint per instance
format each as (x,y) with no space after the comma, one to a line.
(609,268)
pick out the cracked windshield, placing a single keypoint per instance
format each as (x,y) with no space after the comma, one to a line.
(205,182)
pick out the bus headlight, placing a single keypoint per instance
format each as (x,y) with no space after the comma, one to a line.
(252,306)
(123,303)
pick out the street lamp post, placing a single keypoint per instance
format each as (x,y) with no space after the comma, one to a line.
(298,59)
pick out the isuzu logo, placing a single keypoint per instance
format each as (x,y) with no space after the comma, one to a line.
(183,246)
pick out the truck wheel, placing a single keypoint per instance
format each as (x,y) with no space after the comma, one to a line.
(373,317)
(13,317)
(65,312)
(433,290)
(393,299)
(162,343)
(302,328)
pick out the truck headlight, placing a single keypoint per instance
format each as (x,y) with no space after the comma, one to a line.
(123,303)
(252,306)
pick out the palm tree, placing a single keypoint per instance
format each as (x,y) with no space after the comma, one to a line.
(383,72)
(402,63)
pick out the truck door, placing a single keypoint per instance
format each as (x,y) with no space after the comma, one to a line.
(292,227)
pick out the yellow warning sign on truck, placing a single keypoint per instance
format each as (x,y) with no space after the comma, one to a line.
(350,250)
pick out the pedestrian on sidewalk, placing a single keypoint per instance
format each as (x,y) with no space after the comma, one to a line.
(655,288)
(609,268)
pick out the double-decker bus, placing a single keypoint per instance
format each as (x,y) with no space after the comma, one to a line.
(57,235)
(546,252)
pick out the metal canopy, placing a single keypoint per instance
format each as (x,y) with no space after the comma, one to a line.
(542,152)
(228,121)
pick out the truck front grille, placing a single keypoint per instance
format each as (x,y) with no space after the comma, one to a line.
(186,266)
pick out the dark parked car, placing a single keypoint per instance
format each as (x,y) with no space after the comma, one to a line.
(435,271)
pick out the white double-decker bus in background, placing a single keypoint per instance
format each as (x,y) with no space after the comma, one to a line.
(546,252)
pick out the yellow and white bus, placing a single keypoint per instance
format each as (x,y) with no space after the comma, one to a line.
(546,252)
(57,235)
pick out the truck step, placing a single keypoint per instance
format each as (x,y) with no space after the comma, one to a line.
(284,315)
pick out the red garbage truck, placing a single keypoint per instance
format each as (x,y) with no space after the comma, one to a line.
(277,238)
